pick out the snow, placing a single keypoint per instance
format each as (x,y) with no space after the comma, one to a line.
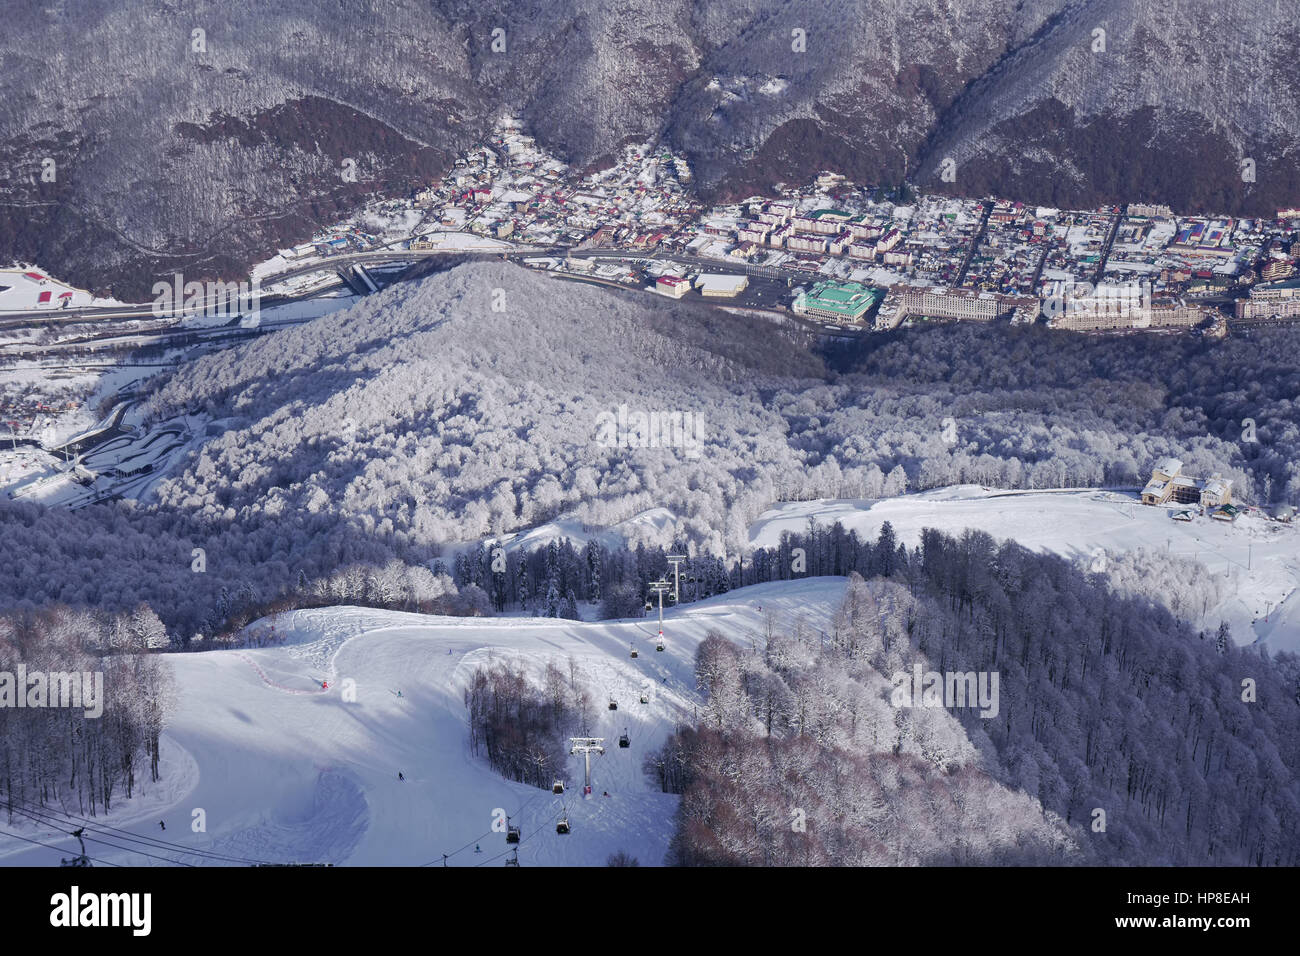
(24,285)
(1261,558)
(463,240)
(286,771)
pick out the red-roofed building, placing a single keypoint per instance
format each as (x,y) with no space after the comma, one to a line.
(673,286)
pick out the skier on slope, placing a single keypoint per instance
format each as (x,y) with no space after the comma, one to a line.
(400,776)
(163,825)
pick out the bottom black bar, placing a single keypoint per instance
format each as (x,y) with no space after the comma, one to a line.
(311,904)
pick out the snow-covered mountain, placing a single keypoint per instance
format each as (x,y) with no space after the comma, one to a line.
(280,768)
(201,136)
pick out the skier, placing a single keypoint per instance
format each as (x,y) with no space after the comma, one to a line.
(161,824)
(477,848)
(399,693)
(399,775)
(607,793)
(324,685)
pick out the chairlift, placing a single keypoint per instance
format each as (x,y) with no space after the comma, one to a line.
(623,740)
(562,825)
(81,860)
(613,704)
(557,787)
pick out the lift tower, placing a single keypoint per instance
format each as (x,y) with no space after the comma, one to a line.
(660,588)
(587,746)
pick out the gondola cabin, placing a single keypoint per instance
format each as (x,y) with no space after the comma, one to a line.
(512,834)
(613,704)
(563,825)
(557,787)
(623,740)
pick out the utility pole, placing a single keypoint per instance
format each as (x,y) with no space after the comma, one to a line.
(676,561)
(586,746)
(660,588)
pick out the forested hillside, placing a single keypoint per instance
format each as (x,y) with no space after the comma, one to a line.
(424,417)
(1130,738)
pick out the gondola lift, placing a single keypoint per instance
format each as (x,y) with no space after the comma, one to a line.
(512,832)
(562,825)
(557,787)
(613,704)
(623,741)
(633,646)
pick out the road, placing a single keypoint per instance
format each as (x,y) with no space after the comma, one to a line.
(974,245)
(1110,241)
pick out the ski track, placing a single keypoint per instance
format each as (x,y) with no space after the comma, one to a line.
(301,775)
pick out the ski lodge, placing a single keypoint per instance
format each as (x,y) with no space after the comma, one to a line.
(1168,483)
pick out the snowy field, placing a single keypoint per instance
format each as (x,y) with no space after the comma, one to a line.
(1259,558)
(286,771)
(24,288)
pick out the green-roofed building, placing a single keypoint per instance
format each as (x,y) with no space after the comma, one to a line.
(842,302)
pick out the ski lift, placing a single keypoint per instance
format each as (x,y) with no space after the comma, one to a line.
(633,646)
(81,860)
(613,704)
(512,832)
(557,787)
(562,826)
(623,740)
(514,860)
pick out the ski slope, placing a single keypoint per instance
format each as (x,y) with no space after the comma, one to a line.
(286,771)
(1259,557)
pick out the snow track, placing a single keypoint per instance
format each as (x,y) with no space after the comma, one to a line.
(303,775)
